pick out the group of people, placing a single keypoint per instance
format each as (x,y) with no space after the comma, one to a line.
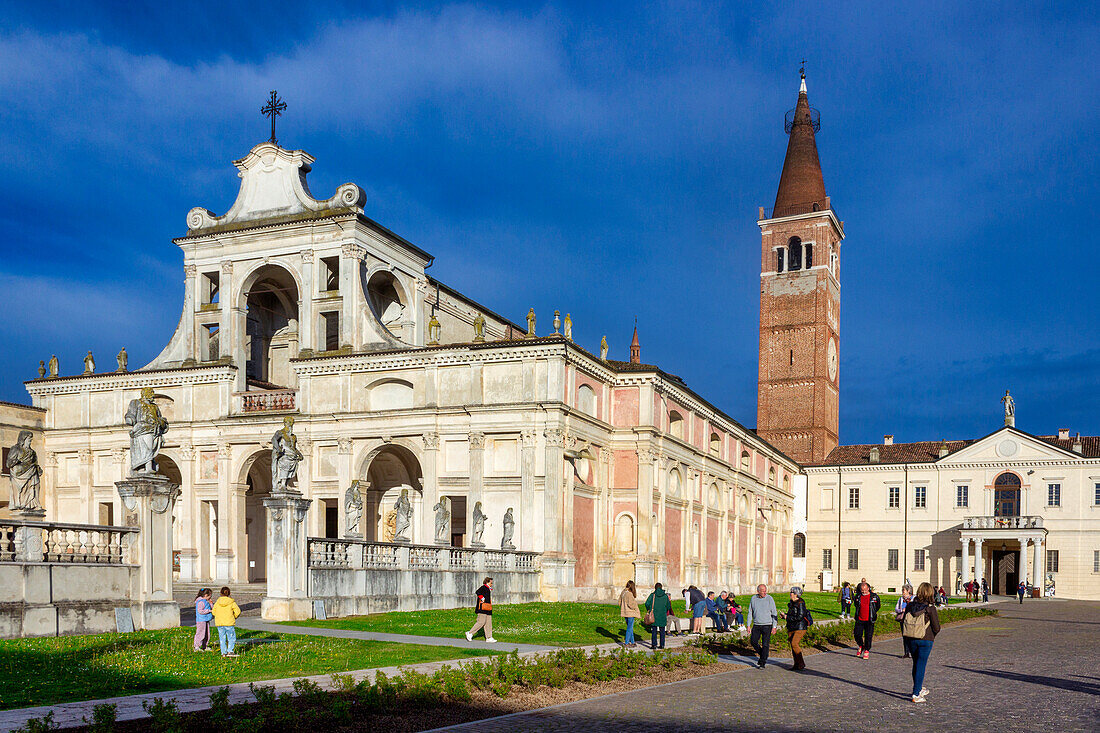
(223,614)
(977,590)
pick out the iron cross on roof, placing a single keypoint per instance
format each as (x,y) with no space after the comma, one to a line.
(273,109)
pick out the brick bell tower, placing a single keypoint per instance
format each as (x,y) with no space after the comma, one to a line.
(798,386)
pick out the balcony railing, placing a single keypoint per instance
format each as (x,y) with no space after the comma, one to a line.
(361,554)
(1027,522)
(273,400)
(83,544)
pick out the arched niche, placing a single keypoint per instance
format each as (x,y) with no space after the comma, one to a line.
(390,394)
(389,303)
(384,474)
(586,400)
(624,534)
(269,299)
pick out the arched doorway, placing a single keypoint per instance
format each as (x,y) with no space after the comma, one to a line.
(387,472)
(1006,495)
(257,479)
(270,301)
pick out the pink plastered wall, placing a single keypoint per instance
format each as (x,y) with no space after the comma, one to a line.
(626,469)
(624,413)
(584,533)
(673,523)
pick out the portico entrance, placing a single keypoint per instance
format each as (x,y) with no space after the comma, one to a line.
(1006,572)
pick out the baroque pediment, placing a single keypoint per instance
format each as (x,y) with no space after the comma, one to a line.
(1007,445)
(273,185)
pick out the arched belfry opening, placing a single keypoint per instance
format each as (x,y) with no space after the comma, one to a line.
(271,327)
(385,474)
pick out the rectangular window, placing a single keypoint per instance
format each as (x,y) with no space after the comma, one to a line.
(1096,561)
(920,497)
(330,271)
(3,461)
(962,496)
(332,330)
(1096,495)
(826,559)
(853,559)
(210,283)
(107,513)
(891,559)
(210,348)
(918,559)
(1054,494)
(779,260)
(809,255)
(1052,561)
(827,500)
(853,497)
(958,554)
(894,497)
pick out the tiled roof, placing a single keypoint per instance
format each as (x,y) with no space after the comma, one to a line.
(928,451)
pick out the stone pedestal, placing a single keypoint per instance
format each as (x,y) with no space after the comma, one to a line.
(28,540)
(150,497)
(287,562)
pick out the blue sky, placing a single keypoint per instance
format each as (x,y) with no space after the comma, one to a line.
(605,159)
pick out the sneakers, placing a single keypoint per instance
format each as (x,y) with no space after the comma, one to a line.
(491,640)
(469,636)
(232,654)
(866,654)
(924,691)
(860,652)
(917,698)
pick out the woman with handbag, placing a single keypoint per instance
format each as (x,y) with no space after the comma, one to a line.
(628,609)
(657,607)
(798,620)
(483,609)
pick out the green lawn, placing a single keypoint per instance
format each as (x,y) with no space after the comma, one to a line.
(63,669)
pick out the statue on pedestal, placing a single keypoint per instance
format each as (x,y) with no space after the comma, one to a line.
(442,522)
(531,323)
(147,431)
(24,472)
(603,348)
(509,530)
(479,328)
(1010,409)
(53,365)
(568,327)
(479,525)
(404,510)
(284,457)
(89,364)
(123,359)
(353,510)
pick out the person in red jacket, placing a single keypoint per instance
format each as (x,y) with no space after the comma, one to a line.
(483,609)
(865,609)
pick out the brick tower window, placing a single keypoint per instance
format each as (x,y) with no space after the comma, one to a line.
(794,254)
(809,255)
(779,259)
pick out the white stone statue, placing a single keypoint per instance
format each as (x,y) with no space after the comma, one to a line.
(24,472)
(509,529)
(568,327)
(442,522)
(89,364)
(603,348)
(1010,405)
(479,525)
(404,510)
(123,360)
(284,457)
(147,431)
(353,510)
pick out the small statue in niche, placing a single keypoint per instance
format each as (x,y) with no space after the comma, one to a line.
(147,429)
(122,360)
(603,348)
(353,510)
(404,510)
(89,364)
(531,323)
(53,366)
(24,472)
(479,328)
(442,522)
(479,525)
(509,530)
(568,327)
(284,457)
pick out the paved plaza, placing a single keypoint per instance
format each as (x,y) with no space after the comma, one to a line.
(1034,667)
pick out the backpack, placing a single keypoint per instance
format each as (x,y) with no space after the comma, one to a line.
(915,625)
(808,618)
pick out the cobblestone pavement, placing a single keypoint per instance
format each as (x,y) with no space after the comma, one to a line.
(1036,667)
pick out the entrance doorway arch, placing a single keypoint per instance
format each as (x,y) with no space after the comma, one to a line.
(385,473)
(256,476)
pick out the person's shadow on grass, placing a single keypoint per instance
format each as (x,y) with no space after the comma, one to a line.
(609,634)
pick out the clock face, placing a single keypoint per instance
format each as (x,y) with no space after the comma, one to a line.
(831,359)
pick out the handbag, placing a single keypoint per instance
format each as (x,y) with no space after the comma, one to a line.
(648,620)
(485,606)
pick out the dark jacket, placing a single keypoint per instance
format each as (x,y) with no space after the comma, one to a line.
(484,595)
(694,596)
(915,608)
(661,605)
(712,606)
(875,604)
(796,615)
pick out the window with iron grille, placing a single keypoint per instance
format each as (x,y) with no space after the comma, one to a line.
(1052,561)
(891,559)
(1096,561)
(918,559)
(799,545)
(853,559)
(1096,496)
(962,496)
(920,497)
(827,559)
(853,497)
(893,500)
(1054,494)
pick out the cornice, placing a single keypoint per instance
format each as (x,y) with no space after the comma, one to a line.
(132,380)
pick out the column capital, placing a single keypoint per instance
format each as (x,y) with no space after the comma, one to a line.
(227,267)
(477,441)
(555,437)
(431,441)
(343,445)
(190,270)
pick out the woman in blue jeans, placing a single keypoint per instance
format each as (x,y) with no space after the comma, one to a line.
(628,609)
(919,626)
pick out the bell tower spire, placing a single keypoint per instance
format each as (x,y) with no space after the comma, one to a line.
(798,386)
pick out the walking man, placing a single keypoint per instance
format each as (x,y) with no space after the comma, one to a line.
(765,620)
(866,604)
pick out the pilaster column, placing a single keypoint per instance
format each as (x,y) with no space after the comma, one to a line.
(228,336)
(604,563)
(187,513)
(87,493)
(223,558)
(430,489)
(306,316)
(552,492)
(525,523)
(287,558)
(979,562)
(343,481)
(350,257)
(1039,575)
(190,345)
(477,475)
(151,497)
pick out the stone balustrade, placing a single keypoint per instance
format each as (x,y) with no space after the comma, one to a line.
(1023,522)
(63,543)
(355,577)
(274,400)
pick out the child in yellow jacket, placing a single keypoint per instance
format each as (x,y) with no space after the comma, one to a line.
(226,612)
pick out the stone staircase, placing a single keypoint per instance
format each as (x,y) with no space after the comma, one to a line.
(247,596)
